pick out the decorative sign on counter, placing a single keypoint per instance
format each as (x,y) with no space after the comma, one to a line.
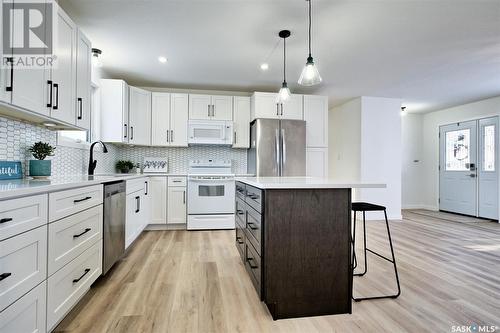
(11,170)
(155,165)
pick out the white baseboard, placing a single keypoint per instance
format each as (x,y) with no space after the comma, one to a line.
(174,226)
(427,207)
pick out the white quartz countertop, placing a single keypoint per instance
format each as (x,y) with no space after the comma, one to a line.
(304,182)
(23,187)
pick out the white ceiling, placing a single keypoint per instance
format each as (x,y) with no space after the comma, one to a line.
(432,54)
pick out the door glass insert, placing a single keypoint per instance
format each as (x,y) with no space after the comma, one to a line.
(211,190)
(457,150)
(489,148)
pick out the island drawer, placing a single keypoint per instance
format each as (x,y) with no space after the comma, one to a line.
(254,198)
(69,237)
(240,241)
(240,191)
(240,208)
(65,203)
(253,266)
(22,214)
(254,228)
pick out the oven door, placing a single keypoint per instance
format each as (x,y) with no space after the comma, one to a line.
(210,195)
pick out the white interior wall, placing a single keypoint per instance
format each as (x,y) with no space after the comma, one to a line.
(430,143)
(411,161)
(344,141)
(381,153)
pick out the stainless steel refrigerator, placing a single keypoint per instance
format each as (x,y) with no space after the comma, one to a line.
(277,148)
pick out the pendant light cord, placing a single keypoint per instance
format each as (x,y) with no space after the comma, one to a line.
(284,59)
(310,20)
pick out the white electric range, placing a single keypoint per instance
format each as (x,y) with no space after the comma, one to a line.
(211,195)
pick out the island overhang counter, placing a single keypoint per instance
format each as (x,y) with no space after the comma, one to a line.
(294,237)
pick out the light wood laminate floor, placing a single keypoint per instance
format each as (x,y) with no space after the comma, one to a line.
(180,281)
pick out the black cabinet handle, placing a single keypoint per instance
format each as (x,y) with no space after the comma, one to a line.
(131,132)
(5,220)
(82,233)
(253,196)
(138,204)
(80,111)
(11,84)
(252,226)
(249,260)
(184,197)
(240,212)
(49,104)
(81,277)
(146,190)
(83,199)
(238,240)
(125,131)
(3,276)
(56,104)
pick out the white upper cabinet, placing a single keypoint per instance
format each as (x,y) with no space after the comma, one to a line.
(222,108)
(316,117)
(160,119)
(5,78)
(83,80)
(169,114)
(139,116)
(264,105)
(114,111)
(207,107)
(63,74)
(179,110)
(241,117)
(200,106)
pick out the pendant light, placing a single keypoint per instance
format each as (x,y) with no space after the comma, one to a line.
(310,74)
(284,93)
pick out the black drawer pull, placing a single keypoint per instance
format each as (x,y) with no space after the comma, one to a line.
(3,276)
(252,226)
(82,233)
(249,260)
(6,219)
(253,196)
(80,200)
(238,239)
(240,212)
(81,277)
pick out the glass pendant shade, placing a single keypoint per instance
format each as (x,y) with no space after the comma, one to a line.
(284,94)
(310,74)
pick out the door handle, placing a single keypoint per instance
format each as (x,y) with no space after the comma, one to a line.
(283,138)
(56,90)
(146,190)
(138,204)
(49,104)
(277,109)
(11,84)
(80,111)
(168,136)
(171,135)
(472,175)
(125,131)
(277,139)
(281,108)
(234,137)
(131,132)
(184,197)
(249,260)
(252,226)
(208,110)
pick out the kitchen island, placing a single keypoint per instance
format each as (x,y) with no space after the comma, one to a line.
(293,235)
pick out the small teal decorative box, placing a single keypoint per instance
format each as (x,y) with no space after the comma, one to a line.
(11,170)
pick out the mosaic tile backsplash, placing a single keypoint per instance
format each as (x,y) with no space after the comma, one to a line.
(16,137)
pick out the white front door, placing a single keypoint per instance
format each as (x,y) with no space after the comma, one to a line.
(458,164)
(488,168)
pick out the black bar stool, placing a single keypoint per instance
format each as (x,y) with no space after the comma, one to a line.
(368,207)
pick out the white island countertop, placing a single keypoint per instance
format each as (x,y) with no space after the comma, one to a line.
(304,183)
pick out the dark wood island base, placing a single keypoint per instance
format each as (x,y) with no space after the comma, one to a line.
(295,244)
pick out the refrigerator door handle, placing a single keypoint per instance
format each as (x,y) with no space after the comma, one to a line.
(283,157)
(277,141)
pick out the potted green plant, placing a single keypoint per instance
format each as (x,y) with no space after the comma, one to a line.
(41,167)
(124,166)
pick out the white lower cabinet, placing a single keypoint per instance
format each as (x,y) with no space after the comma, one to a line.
(158,190)
(317,162)
(176,205)
(64,203)
(22,214)
(132,217)
(27,314)
(70,283)
(72,235)
(23,264)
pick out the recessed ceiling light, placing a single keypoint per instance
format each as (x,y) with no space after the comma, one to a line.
(264,66)
(162,59)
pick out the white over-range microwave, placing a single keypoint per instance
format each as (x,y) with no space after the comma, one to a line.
(210,132)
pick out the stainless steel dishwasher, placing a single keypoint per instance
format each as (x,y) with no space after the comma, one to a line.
(114,224)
